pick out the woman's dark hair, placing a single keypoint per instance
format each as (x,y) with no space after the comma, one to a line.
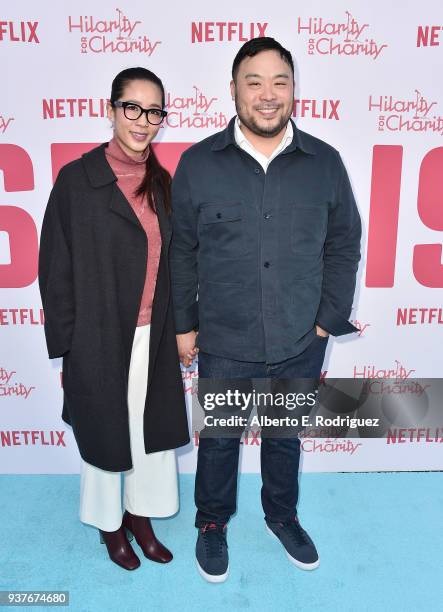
(257,45)
(157,180)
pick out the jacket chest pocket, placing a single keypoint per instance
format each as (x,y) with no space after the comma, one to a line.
(222,230)
(308,229)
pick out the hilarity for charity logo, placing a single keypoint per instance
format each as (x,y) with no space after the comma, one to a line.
(11,388)
(360,325)
(398,372)
(347,37)
(406,115)
(196,111)
(116,35)
(4,123)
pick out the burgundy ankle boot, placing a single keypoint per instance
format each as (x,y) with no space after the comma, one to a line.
(140,527)
(119,549)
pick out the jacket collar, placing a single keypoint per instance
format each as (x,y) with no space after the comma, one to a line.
(100,173)
(299,141)
(98,170)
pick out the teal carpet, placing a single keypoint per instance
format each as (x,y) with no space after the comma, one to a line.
(379,538)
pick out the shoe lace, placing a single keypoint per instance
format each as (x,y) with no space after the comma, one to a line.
(296,532)
(213,538)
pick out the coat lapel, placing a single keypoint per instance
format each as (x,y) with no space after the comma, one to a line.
(120,206)
(100,174)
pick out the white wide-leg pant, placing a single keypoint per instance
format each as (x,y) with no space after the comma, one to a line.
(150,487)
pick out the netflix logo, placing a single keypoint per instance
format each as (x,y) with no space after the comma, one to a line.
(414,434)
(419,316)
(226,31)
(316,109)
(32,438)
(60,108)
(19,31)
(21,316)
(428,36)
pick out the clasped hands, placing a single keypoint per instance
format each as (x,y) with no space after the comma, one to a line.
(187,349)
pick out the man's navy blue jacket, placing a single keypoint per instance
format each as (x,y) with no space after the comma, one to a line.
(257,259)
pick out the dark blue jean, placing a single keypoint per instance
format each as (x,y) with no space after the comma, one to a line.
(217,464)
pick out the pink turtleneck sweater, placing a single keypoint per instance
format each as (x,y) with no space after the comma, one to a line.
(129,173)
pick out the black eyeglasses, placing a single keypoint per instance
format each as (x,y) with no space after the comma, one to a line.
(134,111)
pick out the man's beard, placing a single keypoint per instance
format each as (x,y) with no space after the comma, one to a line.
(266,132)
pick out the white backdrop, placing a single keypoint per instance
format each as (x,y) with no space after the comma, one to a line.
(368,82)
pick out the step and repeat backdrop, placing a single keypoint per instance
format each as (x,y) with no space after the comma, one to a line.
(368,81)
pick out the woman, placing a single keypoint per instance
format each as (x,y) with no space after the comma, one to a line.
(104,282)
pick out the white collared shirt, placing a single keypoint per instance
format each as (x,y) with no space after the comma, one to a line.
(264,161)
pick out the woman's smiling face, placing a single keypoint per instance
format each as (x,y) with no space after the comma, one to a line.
(135,135)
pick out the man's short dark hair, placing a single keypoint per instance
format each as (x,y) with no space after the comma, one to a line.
(257,45)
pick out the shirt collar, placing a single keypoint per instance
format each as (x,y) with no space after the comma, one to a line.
(299,140)
(241,139)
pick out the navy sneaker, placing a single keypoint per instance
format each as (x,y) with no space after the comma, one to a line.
(300,549)
(211,551)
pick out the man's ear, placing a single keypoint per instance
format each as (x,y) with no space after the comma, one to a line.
(232,86)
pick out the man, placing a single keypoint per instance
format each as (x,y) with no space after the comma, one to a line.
(264,258)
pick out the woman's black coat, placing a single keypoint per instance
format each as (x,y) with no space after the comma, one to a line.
(92,269)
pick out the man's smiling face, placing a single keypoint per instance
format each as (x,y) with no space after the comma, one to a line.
(264,93)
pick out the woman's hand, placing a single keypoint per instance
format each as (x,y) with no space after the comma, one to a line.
(186,347)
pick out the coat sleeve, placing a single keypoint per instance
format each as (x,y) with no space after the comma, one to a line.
(341,257)
(55,272)
(183,253)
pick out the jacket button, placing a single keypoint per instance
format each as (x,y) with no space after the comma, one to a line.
(266,264)
(257,170)
(218,215)
(267,216)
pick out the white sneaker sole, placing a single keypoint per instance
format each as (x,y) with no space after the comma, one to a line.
(212,577)
(299,564)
